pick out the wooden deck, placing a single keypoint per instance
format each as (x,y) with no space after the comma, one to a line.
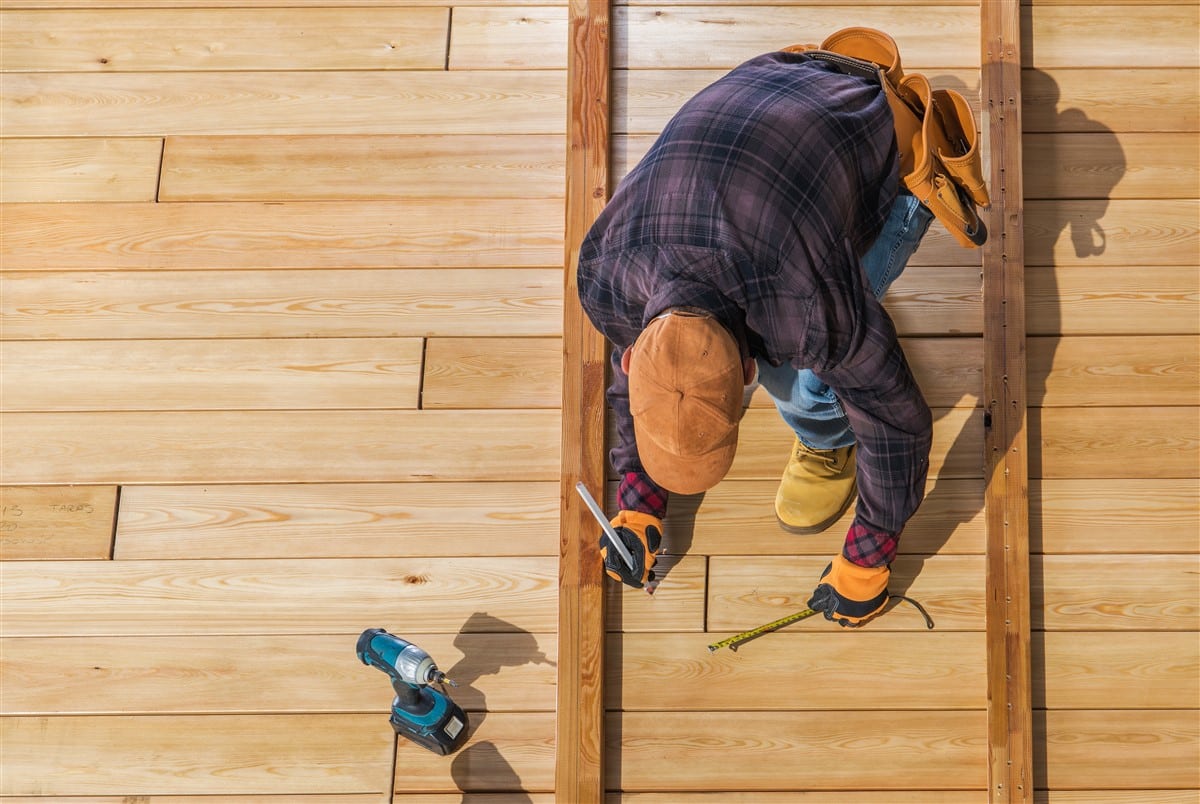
(282,344)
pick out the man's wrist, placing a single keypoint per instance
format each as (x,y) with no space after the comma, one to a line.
(637,492)
(868,546)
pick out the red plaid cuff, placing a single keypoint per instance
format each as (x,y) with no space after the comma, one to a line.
(870,548)
(638,492)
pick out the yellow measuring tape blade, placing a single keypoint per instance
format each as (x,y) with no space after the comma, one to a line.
(733,641)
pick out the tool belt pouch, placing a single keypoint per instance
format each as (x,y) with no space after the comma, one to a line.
(940,161)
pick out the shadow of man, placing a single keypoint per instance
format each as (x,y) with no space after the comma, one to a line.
(489,645)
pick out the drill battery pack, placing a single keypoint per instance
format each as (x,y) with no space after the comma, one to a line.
(434,721)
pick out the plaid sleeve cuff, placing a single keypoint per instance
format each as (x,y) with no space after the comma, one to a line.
(638,492)
(868,547)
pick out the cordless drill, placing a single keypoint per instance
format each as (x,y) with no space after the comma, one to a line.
(422,714)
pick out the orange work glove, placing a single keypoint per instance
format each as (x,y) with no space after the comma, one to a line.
(642,536)
(850,595)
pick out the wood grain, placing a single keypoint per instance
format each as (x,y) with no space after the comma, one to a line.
(745,592)
(426,233)
(1112,371)
(1106,98)
(310,520)
(195,754)
(936,300)
(1122,670)
(1119,233)
(507,37)
(190,39)
(1102,164)
(506,753)
(261,674)
(361,168)
(676,672)
(1099,749)
(1118,300)
(1125,515)
(278,447)
(1147,442)
(1107,593)
(285,596)
(492,373)
(290,103)
(707,37)
(698,751)
(234,374)
(1062,37)
(736,517)
(56,522)
(84,169)
(676,606)
(179,305)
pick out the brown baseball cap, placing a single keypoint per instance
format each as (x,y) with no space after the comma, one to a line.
(685,394)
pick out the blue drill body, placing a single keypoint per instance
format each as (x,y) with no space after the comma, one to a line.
(421,713)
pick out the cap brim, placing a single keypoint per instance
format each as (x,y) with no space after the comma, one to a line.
(686,475)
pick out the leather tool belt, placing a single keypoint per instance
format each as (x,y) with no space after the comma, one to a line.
(940,160)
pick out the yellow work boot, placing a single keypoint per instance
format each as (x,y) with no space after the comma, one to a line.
(818,486)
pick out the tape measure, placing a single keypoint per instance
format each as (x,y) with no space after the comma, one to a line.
(733,641)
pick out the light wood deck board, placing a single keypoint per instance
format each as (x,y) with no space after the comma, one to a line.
(1107,593)
(1111,98)
(421,233)
(1122,670)
(1159,442)
(56,522)
(338,520)
(362,168)
(1111,371)
(233,374)
(1102,164)
(350,303)
(279,447)
(240,674)
(1124,515)
(1117,233)
(357,102)
(1097,750)
(500,37)
(84,169)
(1090,299)
(1066,38)
(284,596)
(492,373)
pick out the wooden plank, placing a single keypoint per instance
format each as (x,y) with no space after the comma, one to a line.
(802,797)
(1145,442)
(1102,164)
(676,606)
(579,738)
(278,447)
(195,39)
(1115,98)
(724,36)
(644,100)
(506,37)
(1151,35)
(1112,371)
(1101,300)
(1109,593)
(729,520)
(1125,515)
(334,798)
(745,592)
(338,520)
(1122,232)
(84,169)
(284,596)
(346,303)
(796,750)
(362,168)
(341,102)
(234,374)
(1124,670)
(195,754)
(426,233)
(675,672)
(506,753)
(56,522)
(262,674)
(936,300)
(1095,750)
(492,373)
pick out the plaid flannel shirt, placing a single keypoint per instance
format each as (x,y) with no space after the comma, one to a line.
(756,203)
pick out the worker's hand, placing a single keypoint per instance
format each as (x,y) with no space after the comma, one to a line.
(848,594)
(642,536)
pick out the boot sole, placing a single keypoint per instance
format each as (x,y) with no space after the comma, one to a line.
(809,530)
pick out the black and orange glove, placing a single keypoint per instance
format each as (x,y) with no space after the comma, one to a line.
(850,595)
(642,536)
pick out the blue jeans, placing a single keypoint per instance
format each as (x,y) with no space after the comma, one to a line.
(808,406)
